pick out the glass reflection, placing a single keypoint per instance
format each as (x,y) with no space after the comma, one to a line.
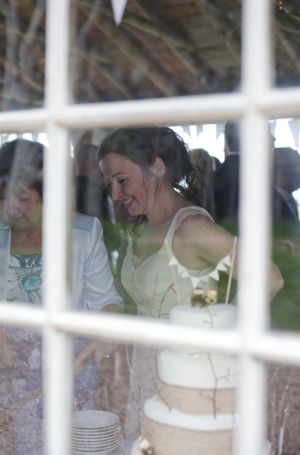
(21,183)
(286,226)
(155,51)
(101,387)
(21,408)
(286,40)
(101,381)
(22,29)
(283,401)
(21,180)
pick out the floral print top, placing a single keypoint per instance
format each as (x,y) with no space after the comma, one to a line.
(21,372)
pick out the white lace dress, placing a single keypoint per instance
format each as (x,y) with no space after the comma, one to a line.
(156,287)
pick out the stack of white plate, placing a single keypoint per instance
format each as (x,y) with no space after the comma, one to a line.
(96,432)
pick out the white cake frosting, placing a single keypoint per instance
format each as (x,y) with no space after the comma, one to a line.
(154,409)
(194,412)
(204,372)
(219,316)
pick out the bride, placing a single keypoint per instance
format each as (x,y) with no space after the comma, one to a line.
(145,170)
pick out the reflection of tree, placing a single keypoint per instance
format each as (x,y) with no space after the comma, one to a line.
(285,307)
(284,409)
(138,58)
(22,56)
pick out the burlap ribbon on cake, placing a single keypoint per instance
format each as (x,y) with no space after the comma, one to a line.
(168,440)
(196,401)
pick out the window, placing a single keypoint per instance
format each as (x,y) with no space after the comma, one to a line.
(253,105)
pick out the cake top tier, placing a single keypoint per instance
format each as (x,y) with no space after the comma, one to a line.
(219,316)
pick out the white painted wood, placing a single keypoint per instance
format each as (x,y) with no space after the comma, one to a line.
(57,359)
(254,223)
(273,103)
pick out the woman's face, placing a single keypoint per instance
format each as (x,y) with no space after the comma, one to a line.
(21,208)
(130,184)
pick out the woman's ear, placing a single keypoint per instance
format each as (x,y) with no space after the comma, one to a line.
(158,167)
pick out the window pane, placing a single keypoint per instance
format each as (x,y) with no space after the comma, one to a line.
(286,225)
(21,407)
(286,37)
(283,408)
(22,30)
(21,206)
(158,50)
(101,384)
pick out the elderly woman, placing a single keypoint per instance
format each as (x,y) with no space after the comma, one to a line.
(21,207)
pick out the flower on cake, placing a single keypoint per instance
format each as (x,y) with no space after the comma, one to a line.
(204,298)
(144,446)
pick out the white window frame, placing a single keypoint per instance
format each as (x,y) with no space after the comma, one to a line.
(253,106)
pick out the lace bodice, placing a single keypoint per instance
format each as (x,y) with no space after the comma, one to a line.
(154,284)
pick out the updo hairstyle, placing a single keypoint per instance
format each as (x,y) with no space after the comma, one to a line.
(143,145)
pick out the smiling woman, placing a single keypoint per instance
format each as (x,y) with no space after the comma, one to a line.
(129,185)
(145,168)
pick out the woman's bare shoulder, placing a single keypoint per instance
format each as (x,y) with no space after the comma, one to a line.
(193,223)
(199,236)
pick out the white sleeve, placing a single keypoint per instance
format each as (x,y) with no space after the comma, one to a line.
(99,285)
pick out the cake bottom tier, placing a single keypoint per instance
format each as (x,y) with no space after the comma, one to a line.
(195,401)
(168,440)
(135,450)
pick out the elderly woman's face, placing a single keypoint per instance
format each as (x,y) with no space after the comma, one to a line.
(129,183)
(21,207)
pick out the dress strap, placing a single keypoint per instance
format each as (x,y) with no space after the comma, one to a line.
(180,215)
(178,218)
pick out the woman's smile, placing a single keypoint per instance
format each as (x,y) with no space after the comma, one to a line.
(130,185)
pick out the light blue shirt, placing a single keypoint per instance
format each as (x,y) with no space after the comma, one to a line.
(93,284)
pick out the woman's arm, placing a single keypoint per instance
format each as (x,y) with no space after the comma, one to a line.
(199,242)
(100,290)
(100,293)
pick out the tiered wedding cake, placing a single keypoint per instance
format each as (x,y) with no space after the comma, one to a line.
(193,413)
